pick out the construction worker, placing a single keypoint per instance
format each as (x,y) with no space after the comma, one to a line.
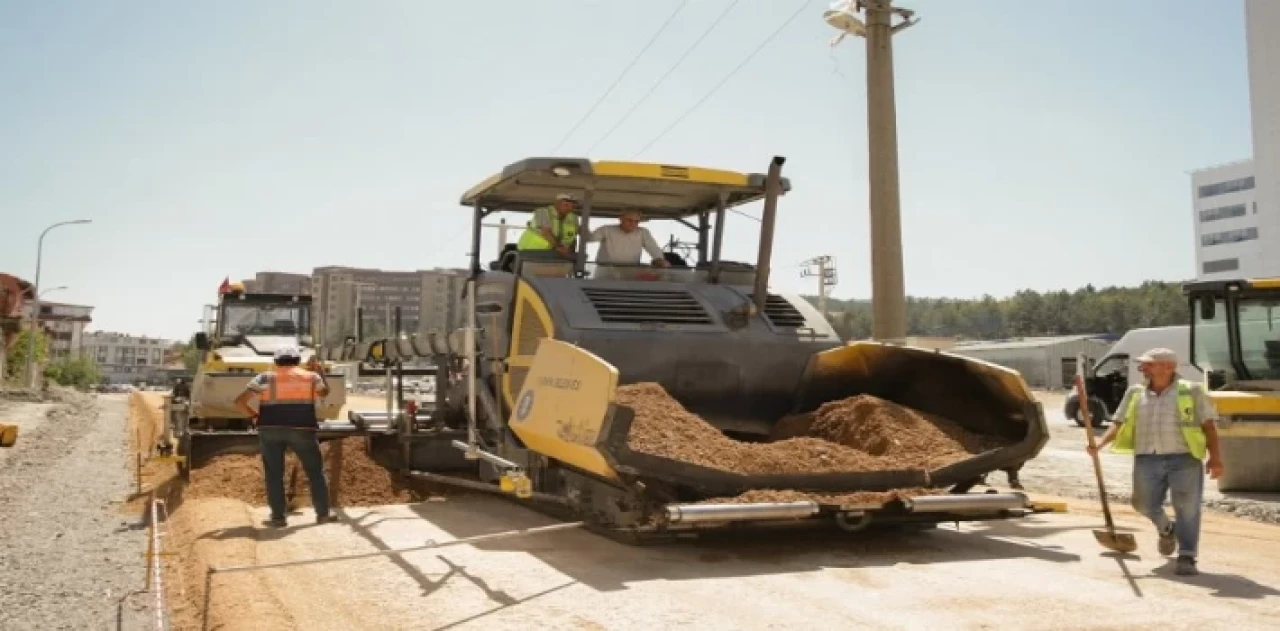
(181,390)
(1168,423)
(621,244)
(286,419)
(552,228)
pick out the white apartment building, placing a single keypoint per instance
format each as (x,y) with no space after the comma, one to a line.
(127,358)
(1226,222)
(1237,206)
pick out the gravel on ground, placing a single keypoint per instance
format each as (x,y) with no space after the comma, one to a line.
(73,558)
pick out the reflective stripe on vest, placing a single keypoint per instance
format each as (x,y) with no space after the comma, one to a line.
(289,399)
(532,238)
(1192,432)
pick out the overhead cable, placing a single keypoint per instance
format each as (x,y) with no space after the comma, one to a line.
(803,5)
(622,74)
(670,70)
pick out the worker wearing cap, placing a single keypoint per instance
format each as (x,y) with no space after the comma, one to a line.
(1167,423)
(622,243)
(286,419)
(552,227)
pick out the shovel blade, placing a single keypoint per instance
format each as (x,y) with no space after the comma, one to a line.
(1120,542)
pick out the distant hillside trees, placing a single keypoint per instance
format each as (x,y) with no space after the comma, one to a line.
(1027,313)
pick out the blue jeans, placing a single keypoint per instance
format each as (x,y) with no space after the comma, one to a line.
(1179,476)
(274,441)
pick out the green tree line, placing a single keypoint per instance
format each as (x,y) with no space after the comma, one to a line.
(1087,310)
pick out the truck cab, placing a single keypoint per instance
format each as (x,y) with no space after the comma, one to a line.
(1109,378)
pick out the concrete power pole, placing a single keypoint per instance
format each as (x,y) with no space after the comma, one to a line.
(824,268)
(888,288)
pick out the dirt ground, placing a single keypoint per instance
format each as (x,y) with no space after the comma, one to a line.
(1040,573)
(1044,572)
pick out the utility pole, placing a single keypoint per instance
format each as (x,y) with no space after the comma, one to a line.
(888,288)
(823,267)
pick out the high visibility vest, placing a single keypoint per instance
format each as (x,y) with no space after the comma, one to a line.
(567,228)
(289,400)
(1192,432)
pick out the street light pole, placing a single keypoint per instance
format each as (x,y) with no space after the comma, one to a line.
(888,287)
(32,382)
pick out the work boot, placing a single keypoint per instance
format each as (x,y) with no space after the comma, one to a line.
(1186,567)
(1168,542)
(326,519)
(277,522)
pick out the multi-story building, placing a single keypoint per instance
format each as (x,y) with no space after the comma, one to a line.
(1226,222)
(127,358)
(64,324)
(427,300)
(279,283)
(1237,206)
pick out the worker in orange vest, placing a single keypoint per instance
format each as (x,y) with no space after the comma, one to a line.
(286,419)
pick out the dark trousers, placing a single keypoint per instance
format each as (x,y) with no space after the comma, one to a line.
(274,441)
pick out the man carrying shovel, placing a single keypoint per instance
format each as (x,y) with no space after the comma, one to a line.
(1168,425)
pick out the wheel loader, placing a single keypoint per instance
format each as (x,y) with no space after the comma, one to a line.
(527,385)
(1235,341)
(238,343)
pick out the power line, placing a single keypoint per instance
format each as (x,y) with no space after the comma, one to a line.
(622,74)
(804,4)
(654,87)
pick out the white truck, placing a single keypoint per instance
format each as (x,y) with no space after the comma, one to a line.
(1108,379)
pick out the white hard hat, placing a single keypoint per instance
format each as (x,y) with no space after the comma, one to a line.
(568,197)
(288,351)
(1158,355)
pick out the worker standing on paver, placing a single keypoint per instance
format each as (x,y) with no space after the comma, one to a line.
(286,419)
(622,244)
(1168,424)
(552,227)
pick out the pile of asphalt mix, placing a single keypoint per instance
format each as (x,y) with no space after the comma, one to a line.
(858,434)
(354,479)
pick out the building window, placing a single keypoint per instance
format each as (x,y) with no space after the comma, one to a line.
(1230,186)
(1229,236)
(1223,212)
(1223,265)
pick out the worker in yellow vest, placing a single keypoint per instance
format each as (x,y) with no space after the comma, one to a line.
(553,227)
(1168,424)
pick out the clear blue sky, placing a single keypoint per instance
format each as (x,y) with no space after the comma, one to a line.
(1044,144)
